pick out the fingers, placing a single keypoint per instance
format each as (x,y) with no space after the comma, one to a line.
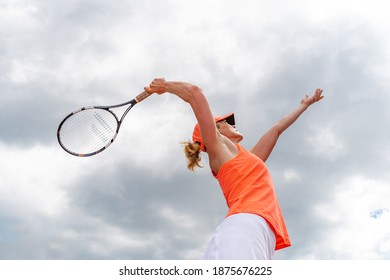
(309,100)
(156,86)
(159,80)
(318,95)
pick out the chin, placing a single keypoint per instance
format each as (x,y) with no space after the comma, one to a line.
(238,138)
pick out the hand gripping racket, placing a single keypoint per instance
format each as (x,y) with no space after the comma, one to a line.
(90,130)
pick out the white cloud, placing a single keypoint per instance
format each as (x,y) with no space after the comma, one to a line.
(326,141)
(36,180)
(291,175)
(384,245)
(351,232)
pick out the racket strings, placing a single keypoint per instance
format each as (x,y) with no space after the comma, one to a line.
(88,131)
(103,122)
(99,134)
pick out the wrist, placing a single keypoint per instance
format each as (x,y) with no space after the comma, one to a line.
(304,107)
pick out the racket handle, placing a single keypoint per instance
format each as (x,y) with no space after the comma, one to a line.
(142,96)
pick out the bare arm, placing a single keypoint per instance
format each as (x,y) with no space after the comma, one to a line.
(267,142)
(194,96)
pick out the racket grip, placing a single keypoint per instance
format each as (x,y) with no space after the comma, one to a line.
(142,96)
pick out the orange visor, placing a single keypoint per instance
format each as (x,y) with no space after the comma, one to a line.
(197,137)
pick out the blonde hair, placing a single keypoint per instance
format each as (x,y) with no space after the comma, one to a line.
(192,151)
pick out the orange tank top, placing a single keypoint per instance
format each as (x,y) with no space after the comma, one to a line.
(247,186)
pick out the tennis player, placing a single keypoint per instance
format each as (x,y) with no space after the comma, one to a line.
(254,227)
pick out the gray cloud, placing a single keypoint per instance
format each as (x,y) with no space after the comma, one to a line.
(136,200)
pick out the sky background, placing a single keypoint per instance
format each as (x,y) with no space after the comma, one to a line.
(256,58)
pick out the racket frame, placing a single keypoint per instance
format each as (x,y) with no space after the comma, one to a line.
(132,103)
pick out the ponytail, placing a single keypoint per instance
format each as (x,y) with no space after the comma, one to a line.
(192,151)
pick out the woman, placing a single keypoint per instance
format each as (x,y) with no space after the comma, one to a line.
(254,226)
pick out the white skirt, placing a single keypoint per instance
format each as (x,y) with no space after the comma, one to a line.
(242,237)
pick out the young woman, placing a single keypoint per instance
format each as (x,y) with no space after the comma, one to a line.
(254,226)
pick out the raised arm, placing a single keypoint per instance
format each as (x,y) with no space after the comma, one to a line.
(194,96)
(267,142)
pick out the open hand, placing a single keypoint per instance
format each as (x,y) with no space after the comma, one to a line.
(309,100)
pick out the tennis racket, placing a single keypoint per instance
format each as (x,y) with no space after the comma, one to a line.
(90,130)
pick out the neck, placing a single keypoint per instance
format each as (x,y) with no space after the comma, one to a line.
(236,139)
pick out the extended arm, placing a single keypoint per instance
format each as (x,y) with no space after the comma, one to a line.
(194,96)
(267,142)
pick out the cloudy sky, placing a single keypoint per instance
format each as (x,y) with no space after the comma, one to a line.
(256,58)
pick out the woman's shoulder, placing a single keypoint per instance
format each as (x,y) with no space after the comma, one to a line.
(226,151)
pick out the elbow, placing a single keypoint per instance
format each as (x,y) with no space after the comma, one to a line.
(195,90)
(277,129)
(195,94)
